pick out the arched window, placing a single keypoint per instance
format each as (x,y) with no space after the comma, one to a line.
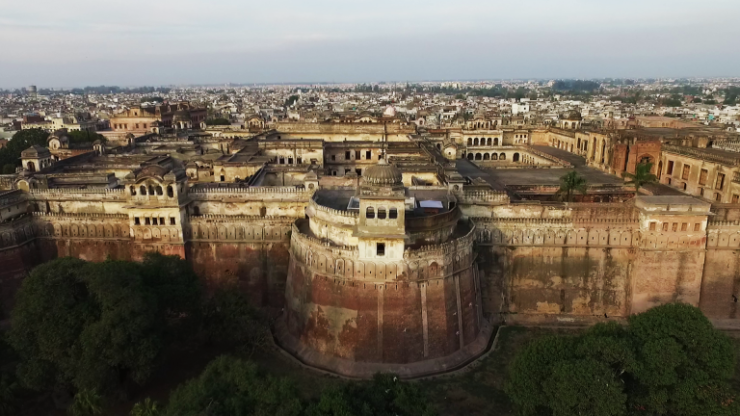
(516,157)
(31,167)
(170,191)
(370,213)
(470,156)
(489,141)
(486,156)
(393,213)
(143,189)
(381,213)
(151,190)
(475,142)
(470,141)
(495,141)
(502,156)
(133,190)
(494,156)
(478,156)
(159,190)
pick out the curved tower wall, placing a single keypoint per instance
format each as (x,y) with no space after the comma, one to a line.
(417,316)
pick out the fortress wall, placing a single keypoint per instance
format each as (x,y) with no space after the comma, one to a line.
(258,269)
(721,271)
(664,276)
(721,280)
(554,263)
(16,263)
(567,281)
(391,322)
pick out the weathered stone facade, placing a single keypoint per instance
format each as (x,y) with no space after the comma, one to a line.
(412,291)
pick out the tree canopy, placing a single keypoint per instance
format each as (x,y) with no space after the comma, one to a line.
(385,395)
(109,324)
(669,360)
(231,386)
(22,140)
(84,136)
(218,122)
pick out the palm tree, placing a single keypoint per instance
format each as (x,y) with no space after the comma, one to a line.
(570,182)
(641,177)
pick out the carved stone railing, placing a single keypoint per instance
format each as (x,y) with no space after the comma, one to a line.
(85,191)
(475,196)
(249,190)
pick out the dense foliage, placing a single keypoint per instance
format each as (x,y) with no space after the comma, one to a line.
(668,361)
(575,86)
(217,122)
(22,140)
(385,395)
(109,325)
(76,137)
(230,386)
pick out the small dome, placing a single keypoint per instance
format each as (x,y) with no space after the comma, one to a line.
(35,151)
(390,111)
(571,115)
(382,174)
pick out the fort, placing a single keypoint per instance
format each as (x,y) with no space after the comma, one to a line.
(386,246)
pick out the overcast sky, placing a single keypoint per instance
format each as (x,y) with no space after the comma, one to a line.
(66,43)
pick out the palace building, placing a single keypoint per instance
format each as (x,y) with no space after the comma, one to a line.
(382,246)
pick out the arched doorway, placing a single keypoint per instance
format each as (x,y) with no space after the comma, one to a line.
(603,151)
(516,157)
(478,156)
(470,156)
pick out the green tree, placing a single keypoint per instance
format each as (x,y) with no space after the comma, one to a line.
(231,386)
(21,141)
(230,319)
(148,407)
(641,177)
(219,121)
(110,322)
(683,364)
(668,361)
(86,403)
(291,100)
(8,394)
(572,182)
(84,136)
(8,169)
(385,395)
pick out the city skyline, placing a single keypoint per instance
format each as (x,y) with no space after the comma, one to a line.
(84,43)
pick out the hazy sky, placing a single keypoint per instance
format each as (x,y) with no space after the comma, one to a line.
(64,43)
